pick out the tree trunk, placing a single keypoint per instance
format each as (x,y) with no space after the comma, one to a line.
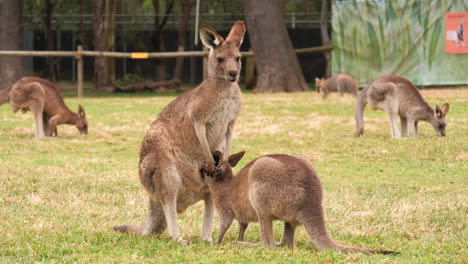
(183,23)
(157,38)
(11,38)
(103,41)
(48,9)
(277,65)
(325,37)
(58,46)
(81,29)
(109,31)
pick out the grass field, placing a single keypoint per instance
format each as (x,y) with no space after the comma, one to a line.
(60,197)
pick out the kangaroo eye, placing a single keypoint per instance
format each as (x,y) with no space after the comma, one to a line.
(220,60)
(238,59)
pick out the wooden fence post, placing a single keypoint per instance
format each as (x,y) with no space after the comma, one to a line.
(79,59)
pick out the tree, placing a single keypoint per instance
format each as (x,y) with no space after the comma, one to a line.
(103,20)
(186,6)
(325,37)
(157,37)
(11,38)
(277,65)
(48,8)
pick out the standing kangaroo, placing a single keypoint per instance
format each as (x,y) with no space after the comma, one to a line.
(341,83)
(179,143)
(273,187)
(44,100)
(398,96)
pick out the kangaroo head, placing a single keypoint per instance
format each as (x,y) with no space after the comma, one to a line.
(224,61)
(318,84)
(232,162)
(438,121)
(82,123)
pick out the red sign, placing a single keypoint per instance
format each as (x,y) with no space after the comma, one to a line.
(456,37)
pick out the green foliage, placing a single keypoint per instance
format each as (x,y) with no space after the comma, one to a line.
(396,38)
(60,197)
(435,40)
(375,47)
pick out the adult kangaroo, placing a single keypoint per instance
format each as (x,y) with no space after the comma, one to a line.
(47,105)
(274,187)
(397,96)
(341,83)
(179,143)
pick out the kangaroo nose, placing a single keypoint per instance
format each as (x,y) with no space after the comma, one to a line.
(232,75)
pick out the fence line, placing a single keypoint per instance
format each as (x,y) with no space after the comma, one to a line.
(80,53)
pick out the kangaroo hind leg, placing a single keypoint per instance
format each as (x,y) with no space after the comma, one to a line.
(404,126)
(391,108)
(288,235)
(266,231)
(37,108)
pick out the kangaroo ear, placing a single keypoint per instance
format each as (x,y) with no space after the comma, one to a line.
(234,158)
(236,35)
(81,111)
(218,157)
(445,108)
(210,38)
(437,111)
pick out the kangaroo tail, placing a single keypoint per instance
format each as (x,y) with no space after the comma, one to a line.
(314,223)
(361,102)
(156,221)
(5,96)
(346,249)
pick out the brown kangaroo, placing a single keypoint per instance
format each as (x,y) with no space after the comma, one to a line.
(273,187)
(341,83)
(44,100)
(180,141)
(398,96)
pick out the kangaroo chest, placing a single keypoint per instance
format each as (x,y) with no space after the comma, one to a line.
(225,111)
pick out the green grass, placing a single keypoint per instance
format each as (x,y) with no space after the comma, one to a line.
(60,197)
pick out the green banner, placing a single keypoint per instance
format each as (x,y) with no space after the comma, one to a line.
(372,38)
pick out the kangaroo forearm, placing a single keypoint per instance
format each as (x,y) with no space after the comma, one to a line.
(200,130)
(229,134)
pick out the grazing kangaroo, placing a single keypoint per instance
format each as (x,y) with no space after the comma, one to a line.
(341,83)
(44,100)
(179,143)
(398,96)
(273,187)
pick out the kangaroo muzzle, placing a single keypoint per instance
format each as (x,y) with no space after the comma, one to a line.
(232,76)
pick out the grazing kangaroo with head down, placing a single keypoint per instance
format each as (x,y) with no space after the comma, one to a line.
(273,187)
(179,143)
(341,83)
(44,100)
(398,96)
